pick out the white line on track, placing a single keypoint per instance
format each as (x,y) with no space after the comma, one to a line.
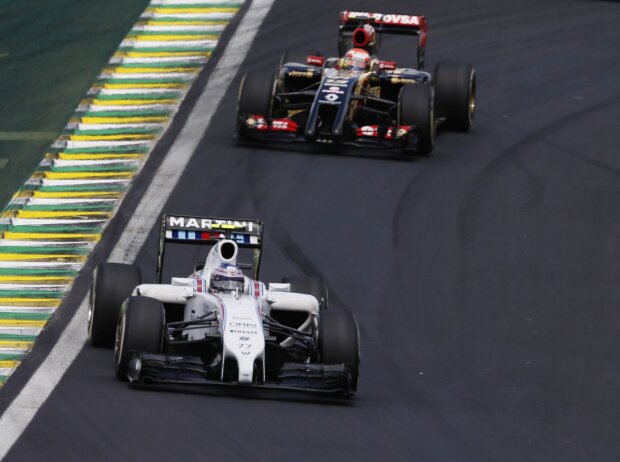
(34,394)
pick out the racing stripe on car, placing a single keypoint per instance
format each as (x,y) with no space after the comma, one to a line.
(51,225)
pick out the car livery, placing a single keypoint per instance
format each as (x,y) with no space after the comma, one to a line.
(192,332)
(315,99)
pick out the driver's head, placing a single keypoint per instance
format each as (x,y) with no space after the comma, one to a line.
(226,278)
(356,59)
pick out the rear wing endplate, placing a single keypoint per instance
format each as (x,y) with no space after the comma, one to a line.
(182,229)
(402,24)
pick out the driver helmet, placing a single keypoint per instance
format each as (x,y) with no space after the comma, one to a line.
(356,59)
(226,278)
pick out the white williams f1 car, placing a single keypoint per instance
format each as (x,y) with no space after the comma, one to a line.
(219,326)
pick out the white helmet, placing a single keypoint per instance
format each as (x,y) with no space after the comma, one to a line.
(226,278)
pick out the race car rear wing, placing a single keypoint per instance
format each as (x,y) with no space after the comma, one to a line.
(383,24)
(183,229)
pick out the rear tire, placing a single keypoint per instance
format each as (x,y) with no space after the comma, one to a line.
(338,341)
(140,328)
(415,107)
(455,94)
(112,284)
(311,285)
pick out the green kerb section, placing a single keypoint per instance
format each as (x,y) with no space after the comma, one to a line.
(37,272)
(17,337)
(10,357)
(30,293)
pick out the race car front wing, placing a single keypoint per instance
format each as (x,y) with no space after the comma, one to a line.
(327,379)
(259,128)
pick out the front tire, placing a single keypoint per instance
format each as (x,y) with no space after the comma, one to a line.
(455,94)
(338,341)
(112,284)
(256,94)
(140,328)
(415,107)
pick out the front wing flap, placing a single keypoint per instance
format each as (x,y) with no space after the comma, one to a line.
(326,379)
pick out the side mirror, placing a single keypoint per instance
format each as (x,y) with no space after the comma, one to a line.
(317,61)
(387,65)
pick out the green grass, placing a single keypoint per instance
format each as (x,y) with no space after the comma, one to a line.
(50,54)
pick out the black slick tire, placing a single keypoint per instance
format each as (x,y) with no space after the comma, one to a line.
(256,94)
(455,95)
(338,341)
(140,328)
(112,283)
(415,107)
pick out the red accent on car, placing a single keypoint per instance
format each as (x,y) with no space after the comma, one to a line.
(368,130)
(423,31)
(387,65)
(401,132)
(283,125)
(315,61)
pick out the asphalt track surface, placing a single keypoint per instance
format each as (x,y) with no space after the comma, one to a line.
(484,277)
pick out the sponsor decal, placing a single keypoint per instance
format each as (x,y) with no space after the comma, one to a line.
(400,19)
(337,82)
(368,130)
(209,224)
(363,15)
(331,97)
(334,90)
(391,133)
(315,61)
(387,65)
(379,18)
(401,132)
(401,80)
(242,324)
(307,74)
(257,122)
(283,125)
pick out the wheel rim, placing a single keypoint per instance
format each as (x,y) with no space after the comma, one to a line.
(119,340)
(472,97)
(91,307)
